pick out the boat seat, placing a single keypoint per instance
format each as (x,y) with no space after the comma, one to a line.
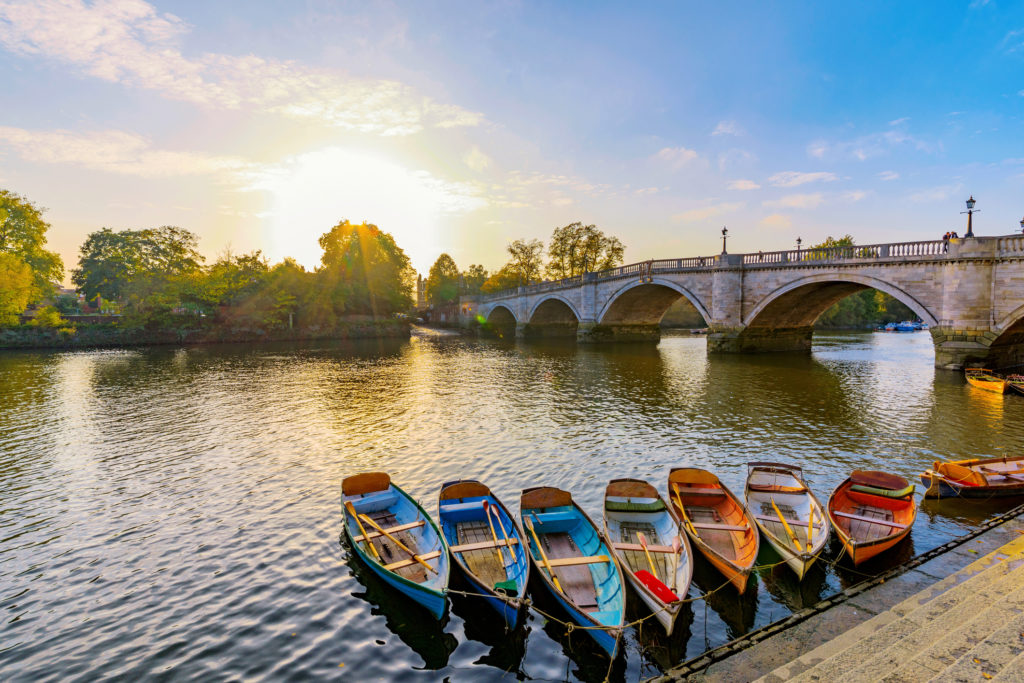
(633,505)
(372,502)
(543,518)
(638,547)
(483,545)
(698,491)
(571,561)
(391,530)
(719,527)
(999,473)
(777,488)
(791,522)
(608,617)
(460,507)
(405,563)
(872,520)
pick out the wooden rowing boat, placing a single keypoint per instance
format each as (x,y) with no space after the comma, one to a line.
(486,544)
(645,538)
(788,514)
(986,379)
(388,518)
(978,478)
(871,512)
(575,563)
(716,521)
(1015,383)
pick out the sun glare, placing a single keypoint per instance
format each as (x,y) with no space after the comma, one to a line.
(310,193)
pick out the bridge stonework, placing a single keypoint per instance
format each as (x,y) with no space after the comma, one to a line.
(969,291)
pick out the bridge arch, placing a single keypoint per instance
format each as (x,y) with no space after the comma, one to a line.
(501,321)
(546,307)
(646,303)
(800,303)
(1007,349)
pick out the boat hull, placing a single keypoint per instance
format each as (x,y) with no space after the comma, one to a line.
(941,487)
(850,504)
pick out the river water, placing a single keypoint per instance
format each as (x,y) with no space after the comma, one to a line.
(174,513)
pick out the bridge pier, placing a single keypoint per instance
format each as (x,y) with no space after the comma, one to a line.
(759,339)
(594,333)
(546,331)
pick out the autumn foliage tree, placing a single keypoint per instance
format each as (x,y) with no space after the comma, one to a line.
(443,281)
(23,235)
(576,249)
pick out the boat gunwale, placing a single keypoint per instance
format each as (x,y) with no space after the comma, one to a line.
(851,544)
(806,556)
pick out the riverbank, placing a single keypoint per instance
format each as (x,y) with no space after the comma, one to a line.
(107,335)
(899,615)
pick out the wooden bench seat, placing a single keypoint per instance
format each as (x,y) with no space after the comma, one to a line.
(718,527)
(391,530)
(483,545)
(1008,474)
(872,520)
(405,563)
(698,491)
(791,522)
(571,561)
(638,547)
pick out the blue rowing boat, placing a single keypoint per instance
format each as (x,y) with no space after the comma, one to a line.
(575,563)
(379,519)
(486,544)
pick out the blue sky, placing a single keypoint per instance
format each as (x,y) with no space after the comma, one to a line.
(459,127)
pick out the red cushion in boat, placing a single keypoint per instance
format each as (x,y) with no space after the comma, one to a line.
(663,592)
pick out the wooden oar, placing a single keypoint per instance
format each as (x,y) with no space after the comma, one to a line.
(643,542)
(676,549)
(682,510)
(543,555)
(785,525)
(486,511)
(508,545)
(810,529)
(398,543)
(352,511)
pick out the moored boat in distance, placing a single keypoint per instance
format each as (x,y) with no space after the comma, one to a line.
(977,478)
(654,554)
(396,538)
(788,514)
(1015,383)
(871,512)
(718,523)
(486,544)
(575,563)
(986,379)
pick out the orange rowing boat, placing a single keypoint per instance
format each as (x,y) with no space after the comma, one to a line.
(717,522)
(871,512)
(986,379)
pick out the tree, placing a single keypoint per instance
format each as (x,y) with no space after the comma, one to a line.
(473,279)
(16,287)
(526,260)
(363,270)
(48,316)
(576,249)
(23,234)
(506,278)
(229,280)
(110,261)
(443,281)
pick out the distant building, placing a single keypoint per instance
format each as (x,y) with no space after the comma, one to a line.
(421,292)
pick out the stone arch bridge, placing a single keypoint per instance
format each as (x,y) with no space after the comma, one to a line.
(970,291)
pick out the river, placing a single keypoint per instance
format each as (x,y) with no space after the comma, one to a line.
(174,512)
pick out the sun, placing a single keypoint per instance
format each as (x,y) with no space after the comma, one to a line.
(309,193)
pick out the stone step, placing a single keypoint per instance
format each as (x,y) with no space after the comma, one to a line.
(991,656)
(1012,673)
(941,618)
(947,651)
(875,635)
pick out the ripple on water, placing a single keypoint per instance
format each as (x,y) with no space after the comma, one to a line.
(175,511)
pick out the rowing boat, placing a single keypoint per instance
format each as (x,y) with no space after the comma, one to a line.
(978,478)
(717,522)
(575,563)
(986,379)
(1015,383)
(871,512)
(486,544)
(645,538)
(396,538)
(788,514)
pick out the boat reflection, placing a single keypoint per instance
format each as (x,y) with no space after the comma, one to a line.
(738,612)
(413,625)
(662,651)
(508,647)
(783,585)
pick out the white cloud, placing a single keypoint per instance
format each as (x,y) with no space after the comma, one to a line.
(869,146)
(735,158)
(794,178)
(896,122)
(854,195)
(646,191)
(727,128)
(817,149)
(935,194)
(795,201)
(131,43)
(676,157)
(888,175)
(743,185)
(777,220)
(112,151)
(694,215)
(476,160)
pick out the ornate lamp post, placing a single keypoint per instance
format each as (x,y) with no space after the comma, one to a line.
(798,242)
(725,234)
(970,211)
(1022,224)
